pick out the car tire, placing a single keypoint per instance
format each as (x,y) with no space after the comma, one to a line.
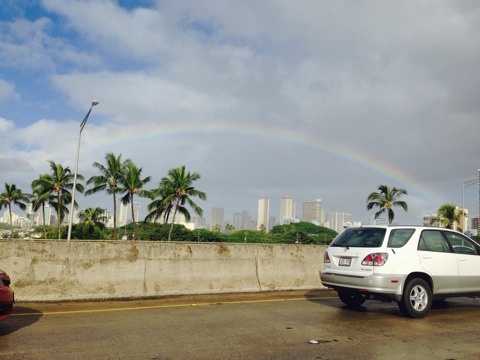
(417,299)
(351,298)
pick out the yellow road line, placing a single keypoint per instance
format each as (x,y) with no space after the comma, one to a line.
(165,306)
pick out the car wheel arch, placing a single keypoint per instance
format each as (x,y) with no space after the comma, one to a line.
(420,275)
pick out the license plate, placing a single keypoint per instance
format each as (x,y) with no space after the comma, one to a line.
(344,261)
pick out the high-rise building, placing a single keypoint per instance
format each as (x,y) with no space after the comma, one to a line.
(338,221)
(313,212)
(463,219)
(287,210)
(247,221)
(272,221)
(124,213)
(199,222)
(478,224)
(47,210)
(263,213)
(216,218)
(238,221)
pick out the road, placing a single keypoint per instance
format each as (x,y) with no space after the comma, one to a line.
(277,325)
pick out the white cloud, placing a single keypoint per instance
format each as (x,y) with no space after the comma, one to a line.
(261,98)
(7,91)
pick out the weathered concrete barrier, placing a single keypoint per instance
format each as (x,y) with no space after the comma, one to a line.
(60,270)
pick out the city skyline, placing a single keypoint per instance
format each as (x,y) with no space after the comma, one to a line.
(243,220)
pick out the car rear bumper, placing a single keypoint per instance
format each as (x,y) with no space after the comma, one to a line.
(390,285)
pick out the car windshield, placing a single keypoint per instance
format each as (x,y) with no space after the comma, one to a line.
(360,237)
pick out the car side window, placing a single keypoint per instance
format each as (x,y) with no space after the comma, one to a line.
(433,240)
(461,244)
(399,237)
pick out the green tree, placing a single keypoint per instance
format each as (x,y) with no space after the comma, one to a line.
(40,197)
(204,235)
(92,218)
(180,192)
(450,215)
(131,183)
(161,206)
(263,229)
(59,182)
(15,196)
(386,198)
(108,181)
(303,232)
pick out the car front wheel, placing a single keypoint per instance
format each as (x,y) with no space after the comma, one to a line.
(417,299)
(351,298)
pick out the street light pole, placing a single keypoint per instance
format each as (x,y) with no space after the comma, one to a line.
(465,184)
(82,125)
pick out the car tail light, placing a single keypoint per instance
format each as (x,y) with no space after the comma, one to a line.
(375,259)
(4,278)
(326,258)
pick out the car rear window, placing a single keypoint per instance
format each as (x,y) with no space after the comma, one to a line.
(399,237)
(360,237)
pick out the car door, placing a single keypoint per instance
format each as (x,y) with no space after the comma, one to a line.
(467,254)
(437,260)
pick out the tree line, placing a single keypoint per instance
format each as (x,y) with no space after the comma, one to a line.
(174,195)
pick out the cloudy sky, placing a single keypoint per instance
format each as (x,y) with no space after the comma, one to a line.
(311,99)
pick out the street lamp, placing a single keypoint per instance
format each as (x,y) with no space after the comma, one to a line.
(465,184)
(82,125)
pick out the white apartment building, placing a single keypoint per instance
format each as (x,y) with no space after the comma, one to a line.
(313,212)
(6,217)
(216,217)
(287,210)
(238,221)
(124,213)
(338,221)
(199,222)
(263,213)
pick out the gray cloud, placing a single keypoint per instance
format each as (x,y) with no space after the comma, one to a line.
(310,99)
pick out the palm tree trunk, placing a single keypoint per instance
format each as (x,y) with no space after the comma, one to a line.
(59,217)
(173,222)
(115,236)
(11,222)
(43,217)
(133,219)
(165,222)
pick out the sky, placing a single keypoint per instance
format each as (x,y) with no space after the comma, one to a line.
(310,99)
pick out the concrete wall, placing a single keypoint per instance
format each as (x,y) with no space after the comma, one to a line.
(59,270)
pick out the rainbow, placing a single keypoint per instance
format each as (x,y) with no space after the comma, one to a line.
(355,155)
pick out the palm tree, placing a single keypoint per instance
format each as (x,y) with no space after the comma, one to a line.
(39,198)
(15,196)
(160,207)
(385,199)
(131,183)
(108,180)
(179,185)
(59,183)
(92,218)
(450,216)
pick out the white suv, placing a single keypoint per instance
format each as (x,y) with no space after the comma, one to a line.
(412,265)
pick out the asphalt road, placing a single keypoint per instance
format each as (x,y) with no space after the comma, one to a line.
(277,325)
